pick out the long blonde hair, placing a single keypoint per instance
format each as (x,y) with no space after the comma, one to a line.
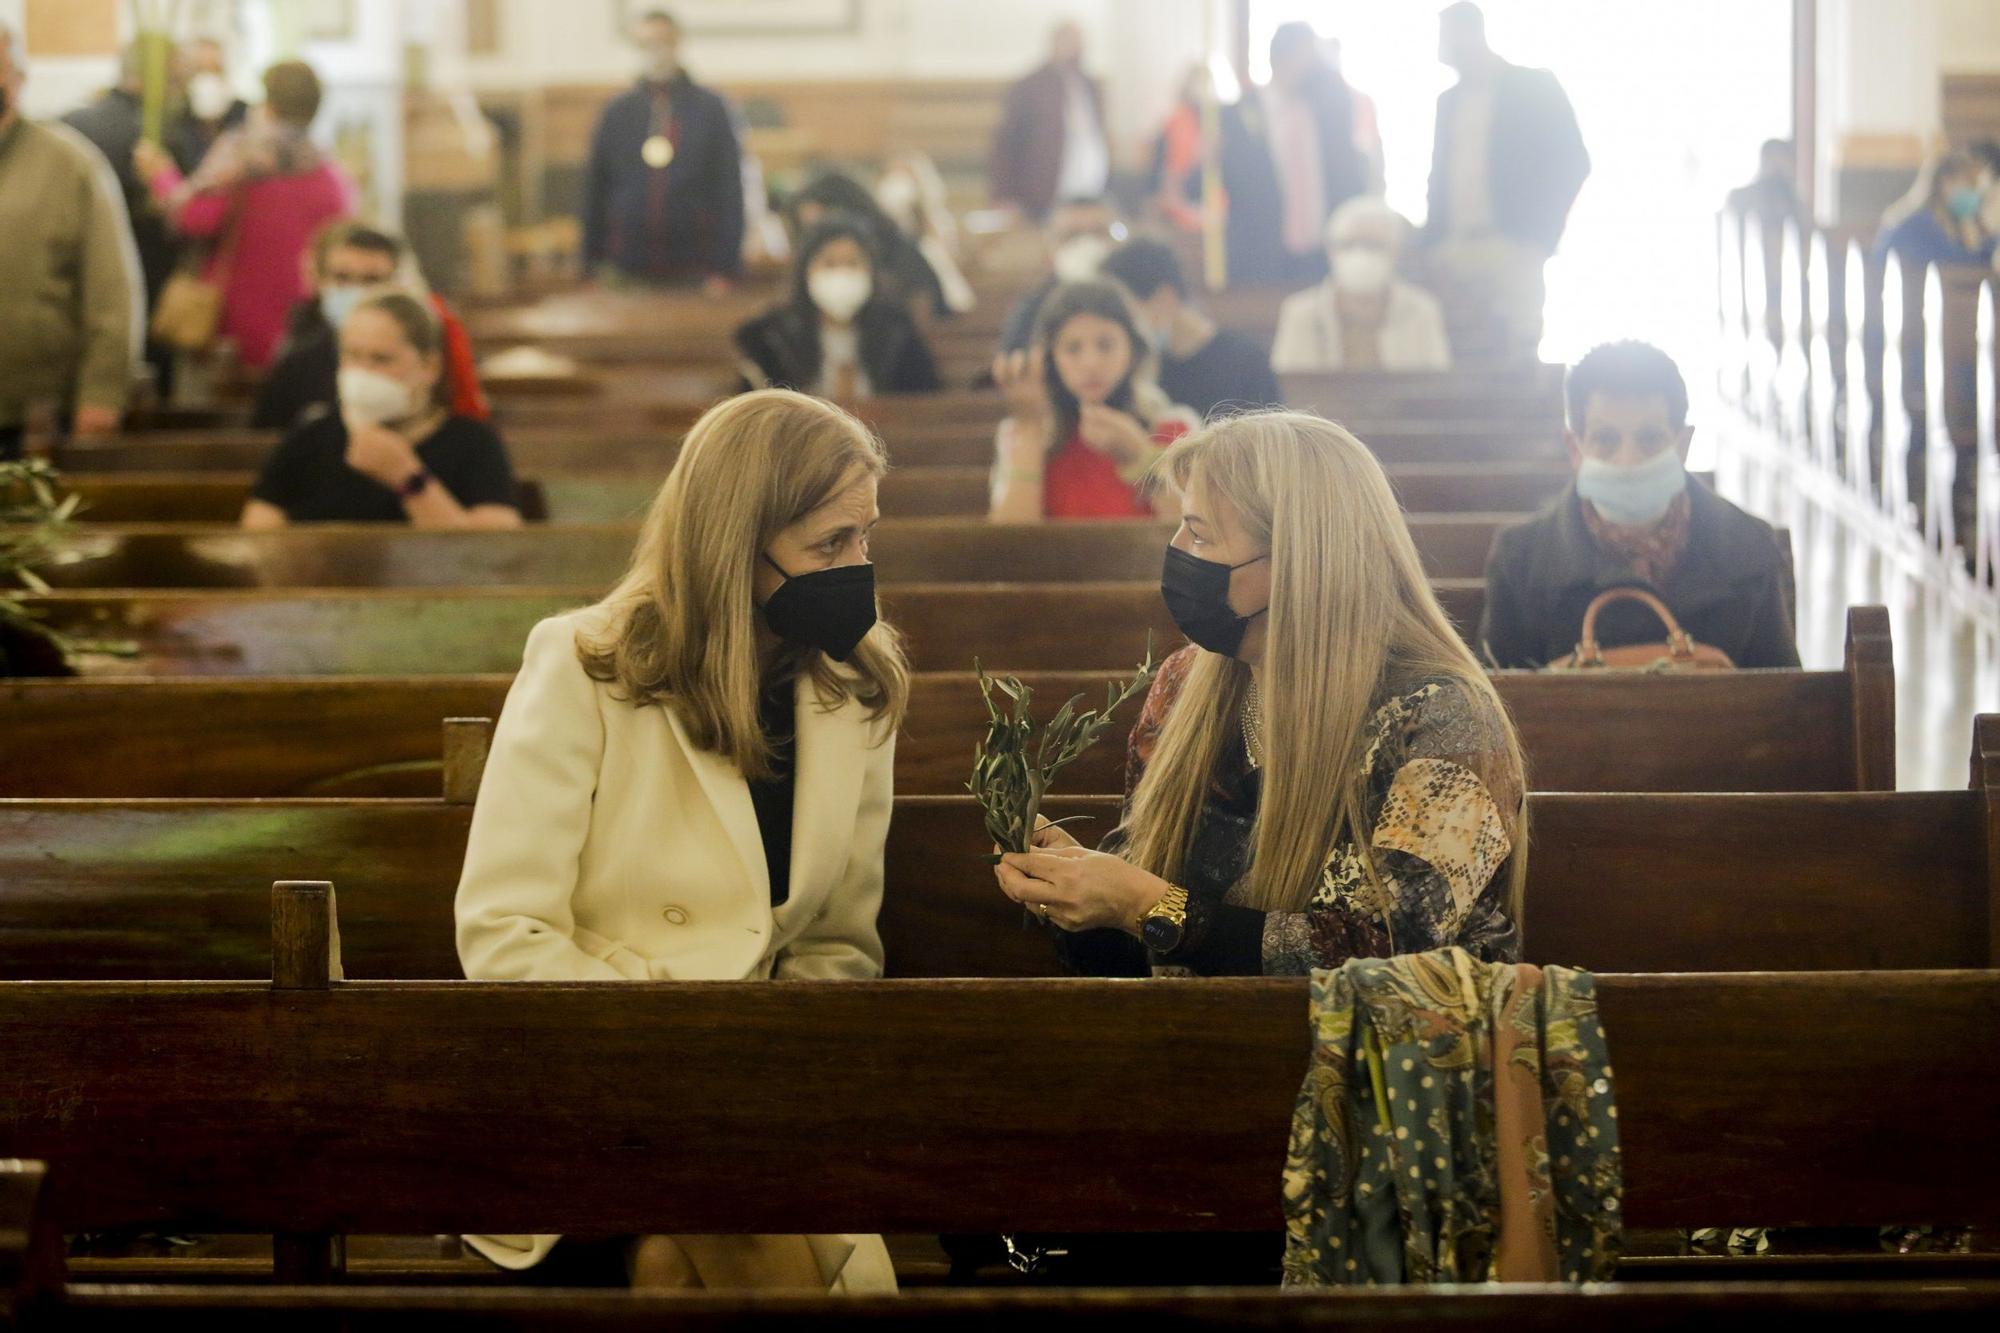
(682,627)
(1350,609)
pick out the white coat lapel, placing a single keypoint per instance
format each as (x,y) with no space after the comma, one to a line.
(729,794)
(828,790)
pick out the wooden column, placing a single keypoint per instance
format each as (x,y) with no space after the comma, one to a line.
(1871,675)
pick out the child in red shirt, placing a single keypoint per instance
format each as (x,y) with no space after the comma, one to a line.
(1085,419)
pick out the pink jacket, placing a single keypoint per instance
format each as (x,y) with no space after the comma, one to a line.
(274,219)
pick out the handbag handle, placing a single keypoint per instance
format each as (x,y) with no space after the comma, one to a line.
(1588,653)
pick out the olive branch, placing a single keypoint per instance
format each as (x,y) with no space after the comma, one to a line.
(1014,766)
(35,519)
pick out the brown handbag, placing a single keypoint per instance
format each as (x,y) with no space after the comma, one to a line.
(1679,653)
(188,314)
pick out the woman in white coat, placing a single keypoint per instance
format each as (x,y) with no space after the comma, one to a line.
(1362,317)
(691,779)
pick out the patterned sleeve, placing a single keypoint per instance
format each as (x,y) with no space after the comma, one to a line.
(1443,803)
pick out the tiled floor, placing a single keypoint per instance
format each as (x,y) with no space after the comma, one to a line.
(1946,632)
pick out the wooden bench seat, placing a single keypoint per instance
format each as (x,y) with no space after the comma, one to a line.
(377,736)
(907,492)
(1620,881)
(905,550)
(451,631)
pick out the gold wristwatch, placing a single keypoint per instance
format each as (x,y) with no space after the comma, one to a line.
(1164,925)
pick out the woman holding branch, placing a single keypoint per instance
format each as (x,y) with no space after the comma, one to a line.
(1325,773)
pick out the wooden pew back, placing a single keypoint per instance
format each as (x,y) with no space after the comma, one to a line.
(943,1106)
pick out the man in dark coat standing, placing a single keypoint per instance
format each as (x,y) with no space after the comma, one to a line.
(663,191)
(1051,142)
(1288,161)
(1506,166)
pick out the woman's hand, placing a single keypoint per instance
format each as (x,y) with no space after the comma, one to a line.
(1115,434)
(1078,889)
(149,160)
(380,453)
(1022,383)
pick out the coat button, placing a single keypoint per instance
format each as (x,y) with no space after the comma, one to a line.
(675,916)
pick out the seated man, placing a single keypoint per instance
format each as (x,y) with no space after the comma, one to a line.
(1080,233)
(1361,316)
(1634,518)
(1202,367)
(351,261)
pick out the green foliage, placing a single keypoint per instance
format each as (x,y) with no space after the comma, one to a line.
(1013,768)
(35,518)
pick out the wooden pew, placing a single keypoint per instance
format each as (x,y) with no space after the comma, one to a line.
(1623,881)
(905,550)
(649,450)
(907,492)
(309,1109)
(375,736)
(452,631)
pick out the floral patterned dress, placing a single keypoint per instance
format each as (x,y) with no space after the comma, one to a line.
(1442,800)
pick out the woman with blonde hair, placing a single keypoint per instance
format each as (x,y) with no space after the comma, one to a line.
(691,780)
(1326,773)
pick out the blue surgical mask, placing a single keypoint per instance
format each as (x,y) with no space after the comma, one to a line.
(1636,495)
(337,303)
(1964,203)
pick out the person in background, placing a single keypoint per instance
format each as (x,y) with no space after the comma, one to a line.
(1079,234)
(1988,153)
(663,188)
(70,282)
(349,262)
(393,453)
(1506,166)
(1085,420)
(260,196)
(1174,179)
(906,276)
(1051,144)
(1774,195)
(836,335)
(1362,317)
(1203,368)
(912,194)
(113,124)
(1289,160)
(210,106)
(1946,229)
(1634,518)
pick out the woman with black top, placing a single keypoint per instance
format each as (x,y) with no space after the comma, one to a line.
(1326,773)
(393,453)
(904,273)
(837,335)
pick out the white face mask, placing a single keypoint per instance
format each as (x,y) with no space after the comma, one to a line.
(374,399)
(1077,258)
(1363,272)
(840,292)
(209,96)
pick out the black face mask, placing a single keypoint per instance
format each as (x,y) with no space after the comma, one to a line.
(829,609)
(1196,592)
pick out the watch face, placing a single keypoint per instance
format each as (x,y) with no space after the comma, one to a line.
(1161,935)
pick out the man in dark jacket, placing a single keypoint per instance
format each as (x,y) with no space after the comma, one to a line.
(1506,165)
(113,124)
(1051,143)
(211,108)
(663,190)
(1634,518)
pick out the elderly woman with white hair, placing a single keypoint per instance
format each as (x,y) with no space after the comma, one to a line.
(1362,317)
